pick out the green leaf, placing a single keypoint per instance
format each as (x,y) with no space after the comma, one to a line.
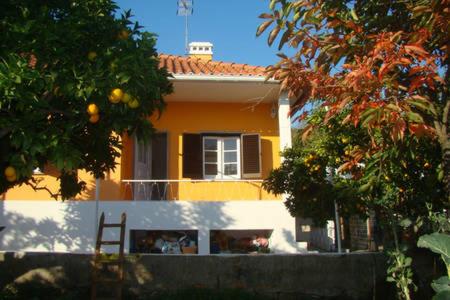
(444,295)
(354,15)
(272,4)
(414,117)
(408,261)
(438,243)
(441,284)
(405,223)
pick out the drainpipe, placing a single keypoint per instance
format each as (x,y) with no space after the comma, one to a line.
(97,197)
(338,227)
(337,222)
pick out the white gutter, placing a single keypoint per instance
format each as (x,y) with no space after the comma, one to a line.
(222,78)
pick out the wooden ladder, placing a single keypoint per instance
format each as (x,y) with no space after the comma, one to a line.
(101,261)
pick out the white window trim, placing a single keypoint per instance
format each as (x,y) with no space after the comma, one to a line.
(220,157)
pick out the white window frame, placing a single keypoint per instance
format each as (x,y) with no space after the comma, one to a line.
(220,157)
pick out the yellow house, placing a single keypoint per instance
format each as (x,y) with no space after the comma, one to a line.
(200,176)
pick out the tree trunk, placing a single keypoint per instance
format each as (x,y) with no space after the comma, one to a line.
(446,169)
(445,145)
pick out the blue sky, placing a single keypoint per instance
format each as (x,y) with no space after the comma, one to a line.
(230,25)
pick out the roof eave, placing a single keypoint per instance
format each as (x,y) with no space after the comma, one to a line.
(222,78)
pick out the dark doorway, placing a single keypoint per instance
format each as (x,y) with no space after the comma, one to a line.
(159,165)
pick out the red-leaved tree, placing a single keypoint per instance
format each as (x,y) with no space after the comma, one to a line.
(383,63)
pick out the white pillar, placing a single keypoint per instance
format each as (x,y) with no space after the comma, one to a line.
(203,241)
(284,121)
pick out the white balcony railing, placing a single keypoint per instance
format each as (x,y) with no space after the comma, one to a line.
(205,189)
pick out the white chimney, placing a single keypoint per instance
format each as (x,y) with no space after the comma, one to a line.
(202,50)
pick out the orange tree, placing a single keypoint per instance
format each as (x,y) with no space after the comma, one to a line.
(73,78)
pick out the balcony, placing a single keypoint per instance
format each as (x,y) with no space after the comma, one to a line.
(195,190)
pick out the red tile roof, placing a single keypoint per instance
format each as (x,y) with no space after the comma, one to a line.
(183,65)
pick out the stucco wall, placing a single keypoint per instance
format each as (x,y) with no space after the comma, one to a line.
(195,117)
(345,276)
(70,226)
(179,118)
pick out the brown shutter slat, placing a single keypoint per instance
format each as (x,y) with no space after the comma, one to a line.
(251,156)
(192,156)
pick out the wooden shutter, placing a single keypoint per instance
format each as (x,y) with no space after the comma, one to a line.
(192,156)
(251,155)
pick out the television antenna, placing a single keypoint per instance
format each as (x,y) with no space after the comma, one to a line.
(185,8)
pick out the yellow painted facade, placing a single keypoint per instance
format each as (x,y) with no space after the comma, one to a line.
(179,118)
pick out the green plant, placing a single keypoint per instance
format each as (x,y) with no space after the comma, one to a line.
(400,272)
(439,243)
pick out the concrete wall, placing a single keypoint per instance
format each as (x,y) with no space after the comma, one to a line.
(70,226)
(311,276)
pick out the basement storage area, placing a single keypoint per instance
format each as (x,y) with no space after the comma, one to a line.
(164,241)
(240,241)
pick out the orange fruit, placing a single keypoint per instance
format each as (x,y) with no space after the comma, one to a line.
(116,95)
(94,118)
(10,171)
(92,109)
(126,98)
(92,55)
(134,103)
(11,178)
(123,34)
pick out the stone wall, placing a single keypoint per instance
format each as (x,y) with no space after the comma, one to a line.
(337,276)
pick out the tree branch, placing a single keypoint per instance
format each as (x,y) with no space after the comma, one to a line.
(34,185)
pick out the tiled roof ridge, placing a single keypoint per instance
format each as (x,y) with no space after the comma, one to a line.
(185,65)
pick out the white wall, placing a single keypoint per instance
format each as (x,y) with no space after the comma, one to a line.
(70,226)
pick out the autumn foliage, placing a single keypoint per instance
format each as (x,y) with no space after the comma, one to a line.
(370,85)
(385,64)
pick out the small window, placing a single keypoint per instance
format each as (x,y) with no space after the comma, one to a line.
(206,48)
(194,48)
(221,158)
(200,48)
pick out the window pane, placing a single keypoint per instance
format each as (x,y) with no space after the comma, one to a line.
(210,156)
(230,169)
(210,144)
(230,157)
(210,169)
(230,144)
